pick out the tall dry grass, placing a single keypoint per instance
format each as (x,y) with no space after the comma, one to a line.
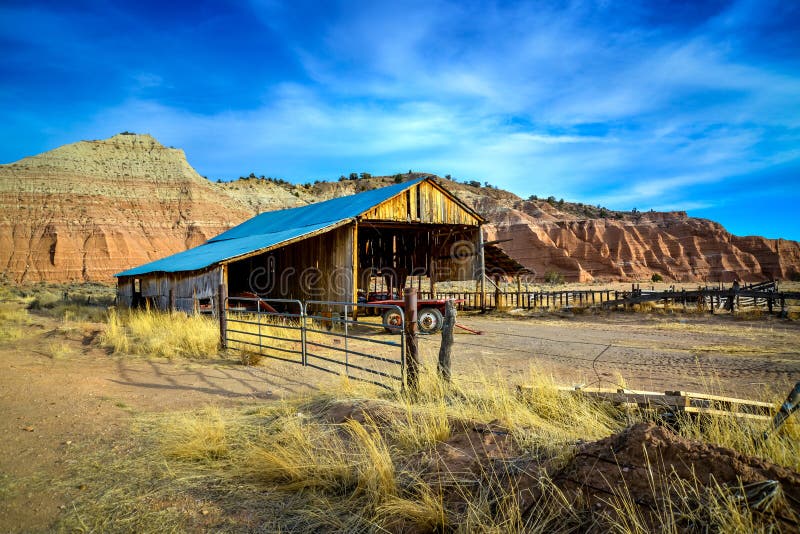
(166,335)
(13,318)
(291,467)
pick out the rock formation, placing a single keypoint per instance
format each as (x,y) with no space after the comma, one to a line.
(87,210)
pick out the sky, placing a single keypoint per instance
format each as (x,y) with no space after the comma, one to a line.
(650,105)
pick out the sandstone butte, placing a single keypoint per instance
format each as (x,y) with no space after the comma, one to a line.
(86,210)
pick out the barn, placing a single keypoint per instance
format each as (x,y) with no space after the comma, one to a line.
(331,251)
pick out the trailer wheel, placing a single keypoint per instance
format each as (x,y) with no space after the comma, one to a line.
(430,320)
(392,321)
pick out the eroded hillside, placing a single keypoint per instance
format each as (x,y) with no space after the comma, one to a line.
(87,210)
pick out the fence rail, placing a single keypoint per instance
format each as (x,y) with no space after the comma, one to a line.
(764,296)
(324,335)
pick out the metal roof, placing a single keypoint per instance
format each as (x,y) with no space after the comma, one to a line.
(272,228)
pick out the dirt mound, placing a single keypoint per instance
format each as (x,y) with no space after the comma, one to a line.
(645,471)
(653,470)
(629,458)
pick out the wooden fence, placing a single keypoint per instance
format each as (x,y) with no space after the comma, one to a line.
(763,296)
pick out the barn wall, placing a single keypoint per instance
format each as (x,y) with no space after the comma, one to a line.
(124,292)
(317,268)
(423,203)
(186,288)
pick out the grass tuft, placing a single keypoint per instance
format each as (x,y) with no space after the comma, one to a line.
(199,437)
(166,335)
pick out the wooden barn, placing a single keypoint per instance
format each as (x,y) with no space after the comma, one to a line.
(327,251)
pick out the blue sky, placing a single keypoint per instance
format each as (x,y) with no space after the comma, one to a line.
(662,105)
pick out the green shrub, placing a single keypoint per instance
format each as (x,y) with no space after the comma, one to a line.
(554,277)
(656,278)
(44,300)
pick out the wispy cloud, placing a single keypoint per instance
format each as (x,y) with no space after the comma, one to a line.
(622,104)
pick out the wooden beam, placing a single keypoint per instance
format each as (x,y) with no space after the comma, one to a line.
(482,273)
(355,267)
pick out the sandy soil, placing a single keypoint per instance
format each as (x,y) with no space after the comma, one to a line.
(63,397)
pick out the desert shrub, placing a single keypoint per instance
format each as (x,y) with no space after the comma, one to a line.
(70,302)
(656,278)
(45,300)
(554,277)
(167,335)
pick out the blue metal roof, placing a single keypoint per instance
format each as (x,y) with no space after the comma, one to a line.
(329,211)
(271,228)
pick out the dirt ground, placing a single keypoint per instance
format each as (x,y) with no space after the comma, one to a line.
(720,354)
(63,397)
(59,408)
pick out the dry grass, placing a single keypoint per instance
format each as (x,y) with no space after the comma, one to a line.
(197,437)
(13,319)
(166,335)
(58,350)
(254,336)
(745,436)
(288,467)
(682,505)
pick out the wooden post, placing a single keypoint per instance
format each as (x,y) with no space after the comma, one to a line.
(354,272)
(412,361)
(171,300)
(519,293)
(482,268)
(223,320)
(446,348)
(432,277)
(496,292)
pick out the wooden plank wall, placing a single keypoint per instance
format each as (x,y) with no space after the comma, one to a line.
(185,288)
(423,203)
(317,268)
(124,292)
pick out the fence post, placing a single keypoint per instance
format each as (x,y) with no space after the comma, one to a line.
(223,320)
(447,341)
(412,363)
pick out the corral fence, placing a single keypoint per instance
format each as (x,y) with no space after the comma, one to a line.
(764,296)
(324,335)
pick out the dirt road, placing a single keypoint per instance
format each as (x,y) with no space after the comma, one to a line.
(723,354)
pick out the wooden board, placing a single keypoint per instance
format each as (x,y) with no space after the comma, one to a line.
(424,203)
(676,401)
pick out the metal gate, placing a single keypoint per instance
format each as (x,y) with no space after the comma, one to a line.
(270,328)
(336,337)
(363,349)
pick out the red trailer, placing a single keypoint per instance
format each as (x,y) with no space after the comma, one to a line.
(430,314)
